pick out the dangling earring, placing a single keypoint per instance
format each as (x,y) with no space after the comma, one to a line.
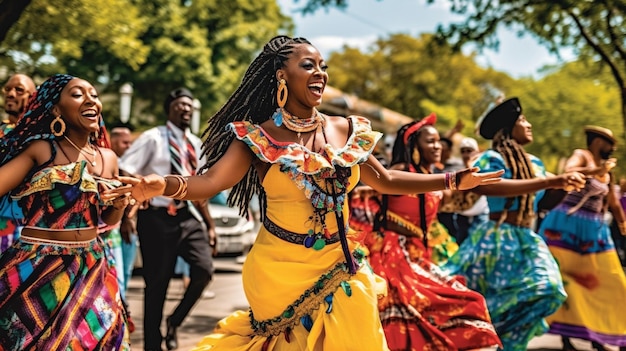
(415,155)
(53,128)
(281,99)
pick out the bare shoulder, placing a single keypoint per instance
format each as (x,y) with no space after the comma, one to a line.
(40,151)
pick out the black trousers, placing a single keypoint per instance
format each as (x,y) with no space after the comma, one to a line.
(162,238)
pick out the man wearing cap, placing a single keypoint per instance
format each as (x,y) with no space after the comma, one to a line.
(169,228)
(504,259)
(580,240)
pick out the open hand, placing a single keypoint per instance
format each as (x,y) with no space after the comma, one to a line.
(469,178)
(570,181)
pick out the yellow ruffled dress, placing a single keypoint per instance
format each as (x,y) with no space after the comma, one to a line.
(304,298)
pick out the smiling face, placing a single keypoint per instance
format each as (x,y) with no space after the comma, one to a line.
(429,146)
(79,106)
(180,112)
(16,93)
(522,131)
(306,77)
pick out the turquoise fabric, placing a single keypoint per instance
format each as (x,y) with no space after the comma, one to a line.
(512,267)
(491,161)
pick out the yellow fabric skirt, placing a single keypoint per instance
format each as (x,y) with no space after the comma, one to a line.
(596,288)
(287,284)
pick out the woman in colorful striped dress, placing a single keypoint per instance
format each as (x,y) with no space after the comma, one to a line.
(424,309)
(57,288)
(504,259)
(580,241)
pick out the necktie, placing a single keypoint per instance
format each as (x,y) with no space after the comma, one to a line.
(183,161)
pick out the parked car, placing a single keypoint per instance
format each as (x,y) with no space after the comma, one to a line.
(235,234)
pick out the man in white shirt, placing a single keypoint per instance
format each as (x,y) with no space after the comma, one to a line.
(169,228)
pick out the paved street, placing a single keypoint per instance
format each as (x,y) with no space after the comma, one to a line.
(229,298)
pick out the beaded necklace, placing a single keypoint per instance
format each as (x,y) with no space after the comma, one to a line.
(302,125)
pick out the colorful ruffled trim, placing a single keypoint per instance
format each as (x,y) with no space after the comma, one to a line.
(357,149)
(69,174)
(310,170)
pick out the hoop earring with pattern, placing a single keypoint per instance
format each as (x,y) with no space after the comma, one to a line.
(53,126)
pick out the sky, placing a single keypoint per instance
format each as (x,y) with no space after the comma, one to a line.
(364,21)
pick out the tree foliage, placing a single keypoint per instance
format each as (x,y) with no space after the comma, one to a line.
(52,29)
(416,76)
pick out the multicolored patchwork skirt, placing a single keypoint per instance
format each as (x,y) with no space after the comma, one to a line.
(9,232)
(592,273)
(60,296)
(513,268)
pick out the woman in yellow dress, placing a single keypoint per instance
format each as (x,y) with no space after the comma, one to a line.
(306,279)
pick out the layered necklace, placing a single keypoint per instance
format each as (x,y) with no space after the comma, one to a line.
(302,125)
(85,153)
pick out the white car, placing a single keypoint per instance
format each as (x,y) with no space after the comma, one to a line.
(235,234)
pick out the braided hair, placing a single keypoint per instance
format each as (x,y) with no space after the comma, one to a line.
(253,101)
(517,160)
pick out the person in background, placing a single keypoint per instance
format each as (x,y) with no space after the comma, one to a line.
(16,92)
(57,288)
(448,163)
(424,309)
(469,209)
(580,240)
(504,259)
(305,278)
(121,139)
(169,228)
(123,238)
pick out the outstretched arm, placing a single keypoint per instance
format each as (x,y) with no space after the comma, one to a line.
(400,182)
(224,174)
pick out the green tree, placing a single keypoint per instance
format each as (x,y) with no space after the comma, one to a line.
(416,76)
(204,45)
(51,29)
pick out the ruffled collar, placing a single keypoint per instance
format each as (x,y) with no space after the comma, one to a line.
(357,149)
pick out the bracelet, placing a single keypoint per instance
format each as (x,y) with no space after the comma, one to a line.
(181,191)
(446,181)
(453,177)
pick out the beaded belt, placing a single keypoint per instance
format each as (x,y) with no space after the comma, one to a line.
(308,240)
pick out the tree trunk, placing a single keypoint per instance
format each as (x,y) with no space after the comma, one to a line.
(10,12)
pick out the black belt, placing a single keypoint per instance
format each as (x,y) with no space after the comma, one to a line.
(295,238)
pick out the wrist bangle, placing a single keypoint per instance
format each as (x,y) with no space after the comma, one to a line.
(181,191)
(446,181)
(453,180)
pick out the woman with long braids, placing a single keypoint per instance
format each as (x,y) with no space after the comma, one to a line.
(58,290)
(504,259)
(305,277)
(424,309)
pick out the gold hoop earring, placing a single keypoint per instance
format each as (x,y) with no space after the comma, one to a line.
(53,126)
(282,93)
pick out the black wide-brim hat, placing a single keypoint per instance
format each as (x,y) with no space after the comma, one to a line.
(503,116)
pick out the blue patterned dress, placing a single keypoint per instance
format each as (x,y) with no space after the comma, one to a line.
(512,267)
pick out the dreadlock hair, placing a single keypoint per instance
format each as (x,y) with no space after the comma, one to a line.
(517,160)
(253,101)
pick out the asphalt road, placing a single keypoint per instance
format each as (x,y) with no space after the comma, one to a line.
(229,298)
